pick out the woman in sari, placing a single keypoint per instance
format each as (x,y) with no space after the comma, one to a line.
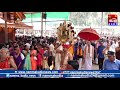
(26,52)
(39,57)
(71,49)
(6,61)
(18,58)
(33,54)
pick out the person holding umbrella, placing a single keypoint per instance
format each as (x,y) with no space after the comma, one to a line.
(88,34)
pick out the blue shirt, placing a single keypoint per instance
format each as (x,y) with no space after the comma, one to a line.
(99,51)
(108,65)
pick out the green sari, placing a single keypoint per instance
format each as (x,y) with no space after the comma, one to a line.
(27,65)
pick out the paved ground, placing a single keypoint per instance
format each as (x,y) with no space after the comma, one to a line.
(95,67)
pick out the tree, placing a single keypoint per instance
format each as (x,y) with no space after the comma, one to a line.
(87,18)
(91,18)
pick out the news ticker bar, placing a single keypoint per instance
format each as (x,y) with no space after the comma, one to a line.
(60,73)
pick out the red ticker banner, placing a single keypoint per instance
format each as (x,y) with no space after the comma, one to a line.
(112,20)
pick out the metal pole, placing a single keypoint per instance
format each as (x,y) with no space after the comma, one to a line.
(31,19)
(6,31)
(32,24)
(41,23)
(101,22)
(45,24)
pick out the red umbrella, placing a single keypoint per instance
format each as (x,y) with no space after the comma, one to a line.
(89,34)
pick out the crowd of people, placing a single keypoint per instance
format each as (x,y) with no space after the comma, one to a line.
(47,53)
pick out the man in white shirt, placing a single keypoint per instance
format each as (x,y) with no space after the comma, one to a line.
(52,49)
(88,56)
(51,57)
(59,50)
(114,45)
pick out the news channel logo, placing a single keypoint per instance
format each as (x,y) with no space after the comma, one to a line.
(112,19)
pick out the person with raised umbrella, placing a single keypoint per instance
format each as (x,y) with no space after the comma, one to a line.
(89,35)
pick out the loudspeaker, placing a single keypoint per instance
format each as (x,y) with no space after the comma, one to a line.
(44,15)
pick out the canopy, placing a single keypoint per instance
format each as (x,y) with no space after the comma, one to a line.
(50,15)
(89,34)
(37,26)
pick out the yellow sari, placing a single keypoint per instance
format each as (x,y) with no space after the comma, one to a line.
(71,50)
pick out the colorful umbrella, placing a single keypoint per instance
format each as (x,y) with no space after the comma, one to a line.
(89,34)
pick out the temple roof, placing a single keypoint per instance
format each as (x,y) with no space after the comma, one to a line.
(17,25)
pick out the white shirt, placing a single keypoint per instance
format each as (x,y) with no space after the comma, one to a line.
(51,47)
(105,44)
(60,47)
(113,46)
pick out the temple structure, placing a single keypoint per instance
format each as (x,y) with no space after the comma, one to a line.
(14,21)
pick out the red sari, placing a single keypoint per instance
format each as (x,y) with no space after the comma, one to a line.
(33,61)
(4,64)
(39,57)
